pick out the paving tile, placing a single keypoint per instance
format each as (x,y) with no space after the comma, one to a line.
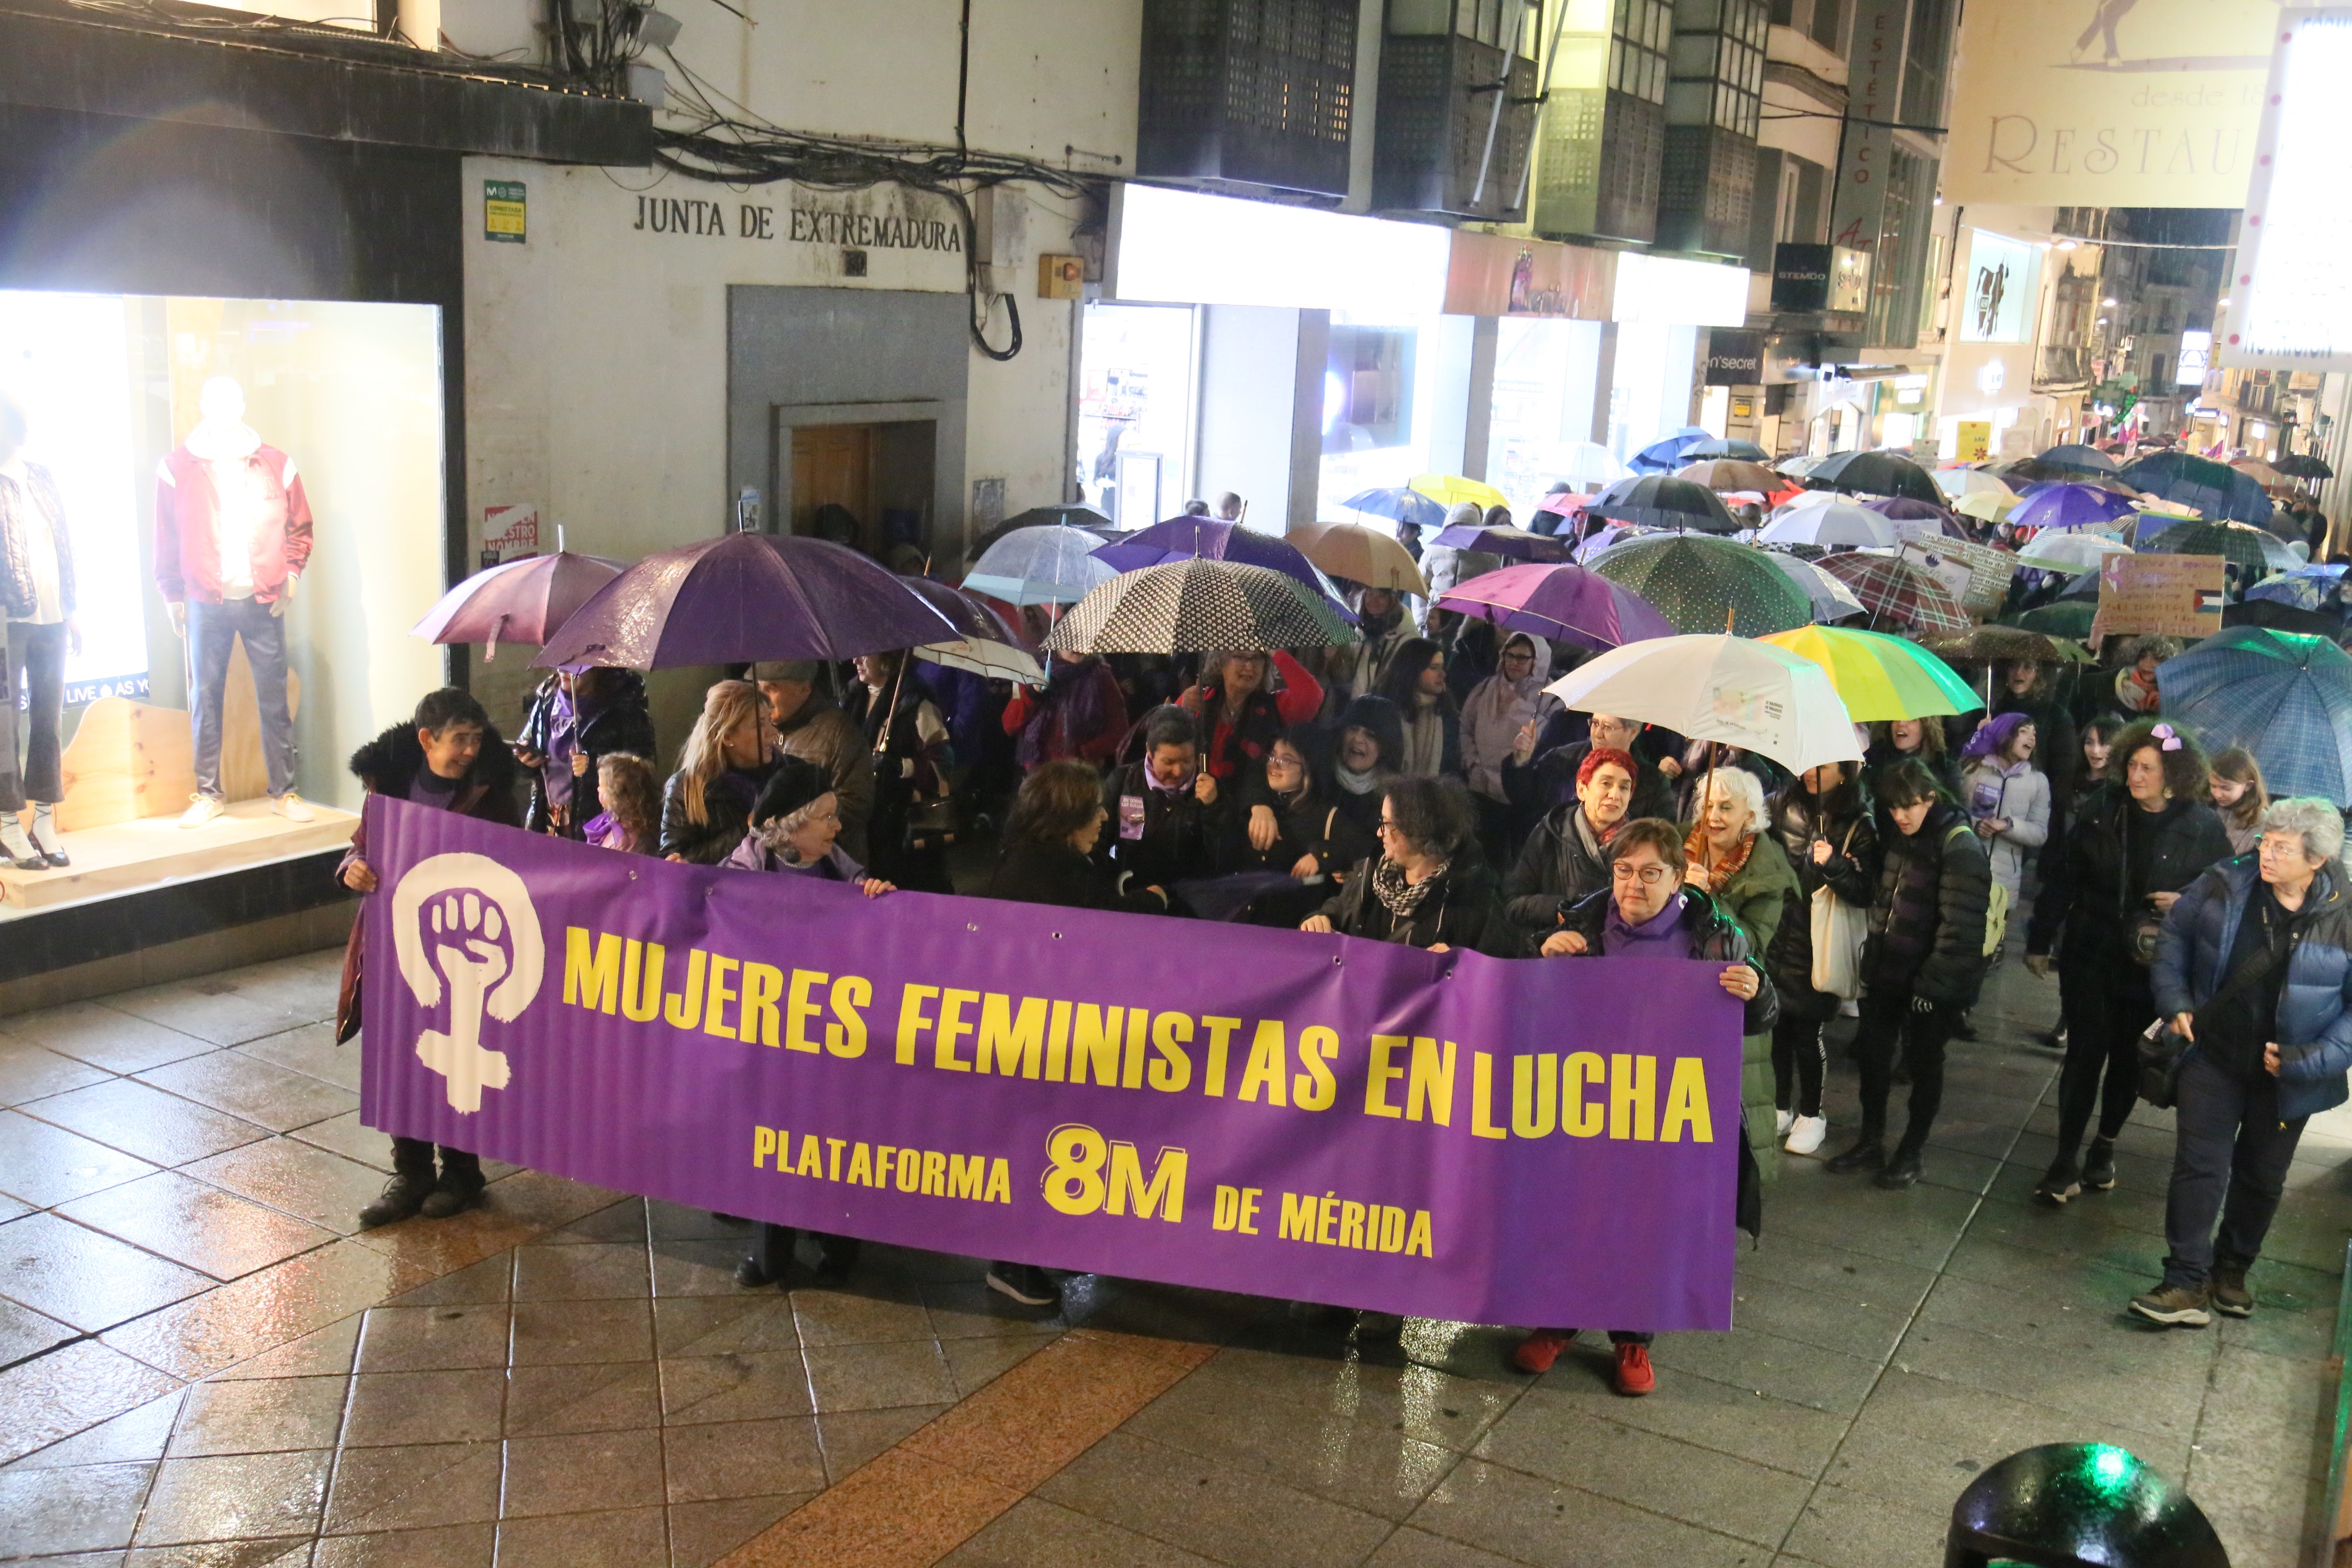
(1847,1529)
(743,1458)
(271,1306)
(2110,1371)
(1532,1519)
(443,1246)
(596,1398)
(32,1071)
(197,1224)
(901,1509)
(582,1272)
(296,1179)
(45,1166)
(1397,1394)
(415,1486)
(1785,1368)
(538,1200)
(87,1509)
(24,1332)
(257,1091)
(700,1533)
(1411,1548)
(584,1472)
(623,1221)
(397,1408)
(870,1377)
(853,1438)
(311,1051)
(1211,1509)
(324,1352)
(137,1434)
(975,1363)
(434,1339)
(856,1318)
(1035,1533)
(490,1280)
(235,1497)
(457,1546)
(968,1308)
(677,1222)
(215,1009)
(268,1552)
(80,1277)
(633,1538)
(747,1386)
(260,1415)
(717,1325)
(549,1333)
(696,1267)
(160,1128)
(105,1036)
(343,1135)
(1706,1414)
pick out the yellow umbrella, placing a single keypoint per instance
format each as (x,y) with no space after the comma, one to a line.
(1360,555)
(1451,489)
(1987,505)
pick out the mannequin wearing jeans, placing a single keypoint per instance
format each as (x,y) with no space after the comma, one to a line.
(37,600)
(232,538)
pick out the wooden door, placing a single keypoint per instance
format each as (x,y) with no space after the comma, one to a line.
(833,464)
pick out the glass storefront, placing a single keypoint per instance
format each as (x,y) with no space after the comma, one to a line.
(1137,365)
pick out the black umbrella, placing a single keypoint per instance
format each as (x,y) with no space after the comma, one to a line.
(1876,474)
(2304,465)
(1084,517)
(2281,617)
(1656,500)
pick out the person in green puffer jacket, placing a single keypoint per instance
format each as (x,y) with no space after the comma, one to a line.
(1734,860)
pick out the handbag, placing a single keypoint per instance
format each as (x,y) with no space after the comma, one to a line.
(2161,1048)
(1839,931)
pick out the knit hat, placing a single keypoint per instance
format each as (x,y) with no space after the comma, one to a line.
(795,784)
(802,671)
(1603,756)
(1993,735)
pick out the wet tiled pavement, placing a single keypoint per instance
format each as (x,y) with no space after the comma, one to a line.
(202,1364)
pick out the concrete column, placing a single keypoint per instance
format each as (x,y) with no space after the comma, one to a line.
(1605,381)
(1261,398)
(1462,412)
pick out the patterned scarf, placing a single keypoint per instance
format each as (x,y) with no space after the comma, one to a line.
(1402,898)
(1723,870)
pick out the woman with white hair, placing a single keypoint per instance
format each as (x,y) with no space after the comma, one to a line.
(2253,967)
(1730,858)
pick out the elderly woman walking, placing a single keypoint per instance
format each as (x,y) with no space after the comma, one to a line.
(1743,867)
(2253,967)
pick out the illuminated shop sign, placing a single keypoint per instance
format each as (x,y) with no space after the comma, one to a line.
(2292,299)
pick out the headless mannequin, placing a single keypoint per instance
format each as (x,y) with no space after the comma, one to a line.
(36,591)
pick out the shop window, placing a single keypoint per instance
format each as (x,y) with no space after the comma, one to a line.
(1136,369)
(1379,376)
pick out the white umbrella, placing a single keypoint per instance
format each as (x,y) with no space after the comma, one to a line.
(1833,600)
(1959,482)
(1835,523)
(2068,552)
(1735,690)
(995,661)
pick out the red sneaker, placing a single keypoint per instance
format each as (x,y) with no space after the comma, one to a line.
(1634,1375)
(1539,1350)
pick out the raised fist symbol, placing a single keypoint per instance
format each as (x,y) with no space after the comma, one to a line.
(467,920)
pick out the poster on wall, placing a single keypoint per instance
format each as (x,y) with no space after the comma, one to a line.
(1997,298)
(2107,102)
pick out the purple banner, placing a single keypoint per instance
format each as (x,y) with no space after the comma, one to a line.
(1314,1117)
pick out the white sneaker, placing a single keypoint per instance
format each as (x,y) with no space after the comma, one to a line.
(203,811)
(291,806)
(1780,1119)
(1805,1134)
(1849,1009)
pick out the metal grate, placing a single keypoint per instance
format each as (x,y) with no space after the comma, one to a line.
(1258,91)
(1706,181)
(1431,136)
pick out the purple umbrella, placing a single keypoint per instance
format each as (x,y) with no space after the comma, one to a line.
(971,617)
(2071,506)
(522,601)
(745,597)
(1214,538)
(1903,509)
(1510,543)
(1558,603)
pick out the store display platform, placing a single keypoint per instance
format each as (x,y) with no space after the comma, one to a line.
(155,851)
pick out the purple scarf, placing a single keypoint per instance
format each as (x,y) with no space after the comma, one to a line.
(1660,936)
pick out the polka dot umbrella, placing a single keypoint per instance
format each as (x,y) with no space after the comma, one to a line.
(1696,582)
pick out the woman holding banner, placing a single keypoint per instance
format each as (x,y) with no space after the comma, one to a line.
(1650,910)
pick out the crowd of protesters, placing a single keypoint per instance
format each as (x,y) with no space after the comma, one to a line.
(1419,786)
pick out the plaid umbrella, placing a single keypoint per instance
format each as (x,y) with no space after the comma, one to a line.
(1696,582)
(1199,605)
(2283,697)
(2252,549)
(1896,591)
(1877,474)
(2214,488)
(1658,501)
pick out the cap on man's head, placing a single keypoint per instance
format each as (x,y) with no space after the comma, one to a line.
(801,670)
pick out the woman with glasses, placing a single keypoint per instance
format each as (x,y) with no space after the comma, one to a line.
(1429,887)
(1649,910)
(1921,966)
(1492,716)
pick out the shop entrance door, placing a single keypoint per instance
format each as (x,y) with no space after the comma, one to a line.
(833,466)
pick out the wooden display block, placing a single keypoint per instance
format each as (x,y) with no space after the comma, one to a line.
(133,760)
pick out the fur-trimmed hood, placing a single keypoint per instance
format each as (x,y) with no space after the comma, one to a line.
(389,763)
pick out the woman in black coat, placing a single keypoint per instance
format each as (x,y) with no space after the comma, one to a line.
(1430,886)
(1049,842)
(575,721)
(1922,964)
(1825,826)
(2129,852)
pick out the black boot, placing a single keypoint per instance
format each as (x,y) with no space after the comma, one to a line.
(769,1258)
(1869,1154)
(2099,1165)
(460,1185)
(1964,1027)
(402,1195)
(1903,1169)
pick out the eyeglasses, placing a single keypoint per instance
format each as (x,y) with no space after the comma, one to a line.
(1650,874)
(1518,656)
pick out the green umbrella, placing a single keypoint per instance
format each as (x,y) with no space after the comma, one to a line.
(2255,549)
(1696,582)
(2059,618)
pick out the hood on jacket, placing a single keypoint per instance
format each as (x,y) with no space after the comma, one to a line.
(390,761)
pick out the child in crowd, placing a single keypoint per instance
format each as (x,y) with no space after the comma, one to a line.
(630,795)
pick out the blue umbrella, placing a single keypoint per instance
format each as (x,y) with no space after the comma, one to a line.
(1665,457)
(2081,458)
(2070,505)
(2214,488)
(2286,697)
(1398,504)
(1214,538)
(2304,588)
(1049,565)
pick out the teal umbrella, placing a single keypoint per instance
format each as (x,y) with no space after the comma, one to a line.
(2283,696)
